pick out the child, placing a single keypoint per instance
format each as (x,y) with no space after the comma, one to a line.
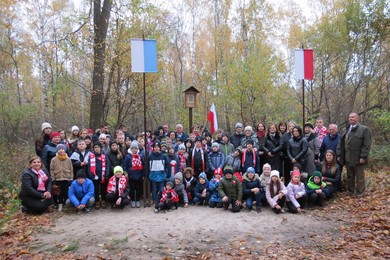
(182,157)
(61,170)
(234,160)
(180,190)
(276,193)
(158,165)
(189,183)
(201,192)
(251,188)
(250,157)
(265,179)
(215,199)
(81,192)
(230,189)
(99,172)
(118,189)
(168,199)
(80,157)
(197,158)
(174,164)
(134,166)
(316,189)
(226,147)
(216,160)
(296,194)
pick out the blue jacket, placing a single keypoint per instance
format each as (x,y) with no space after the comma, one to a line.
(213,187)
(216,160)
(159,167)
(200,187)
(49,152)
(135,175)
(81,193)
(329,143)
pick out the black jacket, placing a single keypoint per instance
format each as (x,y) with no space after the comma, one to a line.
(30,184)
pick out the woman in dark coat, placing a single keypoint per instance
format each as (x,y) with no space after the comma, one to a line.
(296,149)
(273,146)
(35,192)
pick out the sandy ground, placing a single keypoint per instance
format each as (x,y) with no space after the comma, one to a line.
(183,233)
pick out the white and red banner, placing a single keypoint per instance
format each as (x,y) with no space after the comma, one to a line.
(212,118)
(304,64)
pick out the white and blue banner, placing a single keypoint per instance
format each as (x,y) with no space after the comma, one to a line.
(143,55)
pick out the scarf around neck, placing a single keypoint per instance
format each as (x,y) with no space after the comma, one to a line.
(42,178)
(93,165)
(136,163)
(122,184)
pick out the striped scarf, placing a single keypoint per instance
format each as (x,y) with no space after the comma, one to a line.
(42,178)
(244,157)
(136,163)
(92,168)
(122,184)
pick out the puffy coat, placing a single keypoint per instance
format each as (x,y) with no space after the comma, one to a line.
(213,187)
(248,184)
(231,188)
(81,193)
(216,160)
(297,148)
(295,189)
(159,167)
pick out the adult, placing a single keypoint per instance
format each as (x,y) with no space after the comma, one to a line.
(81,192)
(50,150)
(282,128)
(235,139)
(43,138)
(272,147)
(225,146)
(115,157)
(180,133)
(261,135)
(35,193)
(287,165)
(73,137)
(314,144)
(330,141)
(353,150)
(331,172)
(198,158)
(250,135)
(165,129)
(103,130)
(297,149)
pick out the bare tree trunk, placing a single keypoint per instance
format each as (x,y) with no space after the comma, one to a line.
(101,17)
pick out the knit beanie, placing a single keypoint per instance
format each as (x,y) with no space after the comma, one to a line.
(228,170)
(118,169)
(75,128)
(298,165)
(249,141)
(45,125)
(169,183)
(267,165)
(215,145)
(182,146)
(274,173)
(98,144)
(134,144)
(295,173)
(238,125)
(250,169)
(54,134)
(179,176)
(202,175)
(317,173)
(218,171)
(60,146)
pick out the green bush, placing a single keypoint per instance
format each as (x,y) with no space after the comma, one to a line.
(379,156)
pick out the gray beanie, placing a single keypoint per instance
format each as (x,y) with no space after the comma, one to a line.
(182,146)
(238,125)
(45,125)
(179,176)
(215,145)
(60,146)
(134,144)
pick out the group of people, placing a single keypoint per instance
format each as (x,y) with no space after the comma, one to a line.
(278,166)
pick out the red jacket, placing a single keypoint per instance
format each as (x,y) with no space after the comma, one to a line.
(173,195)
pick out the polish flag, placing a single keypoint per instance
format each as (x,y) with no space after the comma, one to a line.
(212,118)
(304,64)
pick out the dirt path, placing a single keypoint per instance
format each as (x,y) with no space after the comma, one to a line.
(184,233)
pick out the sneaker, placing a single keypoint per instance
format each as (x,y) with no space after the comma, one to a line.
(87,209)
(132,204)
(137,204)
(104,205)
(156,210)
(258,209)
(282,211)
(59,207)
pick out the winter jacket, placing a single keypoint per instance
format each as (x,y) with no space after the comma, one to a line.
(196,163)
(180,190)
(250,161)
(312,187)
(216,160)
(77,158)
(81,193)
(226,149)
(134,175)
(200,187)
(285,140)
(272,201)
(248,184)
(183,137)
(273,144)
(234,162)
(313,152)
(30,184)
(264,180)
(329,143)
(40,143)
(327,176)
(119,186)
(231,188)
(297,148)
(236,139)
(253,137)
(213,188)
(114,161)
(99,167)
(159,167)
(356,147)
(61,170)
(48,153)
(169,194)
(295,189)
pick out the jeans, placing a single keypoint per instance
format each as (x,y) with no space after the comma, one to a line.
(156,187)
(90,202)
(253,197)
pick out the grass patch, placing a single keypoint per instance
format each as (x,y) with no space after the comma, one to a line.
(72,247)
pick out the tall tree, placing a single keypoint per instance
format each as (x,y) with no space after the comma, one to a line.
(101,17)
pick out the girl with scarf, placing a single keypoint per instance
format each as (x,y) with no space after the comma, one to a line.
(61,169)
(134,166)
(35,193)
(99,172)
(276,193)
(189,183)
(118,189)
(296,194)
(261,135)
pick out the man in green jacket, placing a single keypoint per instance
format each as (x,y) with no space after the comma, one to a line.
(230,189)
(352,151)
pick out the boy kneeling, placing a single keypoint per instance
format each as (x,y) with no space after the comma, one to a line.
(230,189)
(81,192)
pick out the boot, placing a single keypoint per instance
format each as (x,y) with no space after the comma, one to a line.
(103,204)
(98,204)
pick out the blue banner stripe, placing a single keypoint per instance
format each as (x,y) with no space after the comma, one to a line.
(150,56)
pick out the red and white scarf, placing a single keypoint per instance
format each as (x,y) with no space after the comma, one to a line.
(92,158)
(183,161)
(136,163)
(244,157)
(122,184)
(192,159)
(42,178)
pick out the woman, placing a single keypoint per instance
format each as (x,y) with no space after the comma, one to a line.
(64,139)
(261,135)
(74,136)
(282,127)
(43,139)
(331,172)
(115,157)
(314,145)
(35,192)
(273,146)
(296,149)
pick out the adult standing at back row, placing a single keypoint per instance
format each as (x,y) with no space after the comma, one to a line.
(353,150)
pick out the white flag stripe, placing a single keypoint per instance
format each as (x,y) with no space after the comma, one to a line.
(137,55)
(299,64)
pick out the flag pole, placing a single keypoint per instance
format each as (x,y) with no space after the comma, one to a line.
(303,100)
